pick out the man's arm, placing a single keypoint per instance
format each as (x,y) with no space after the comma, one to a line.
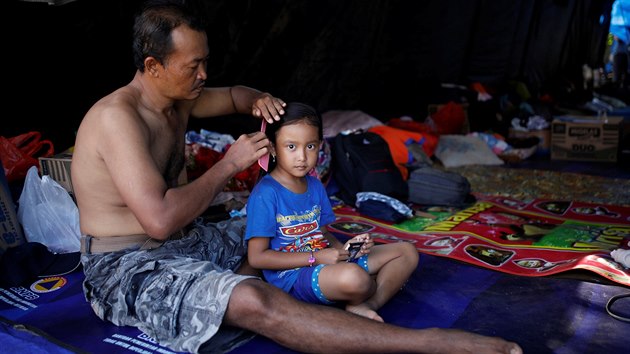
(218,101)
(139,182)
(175,208)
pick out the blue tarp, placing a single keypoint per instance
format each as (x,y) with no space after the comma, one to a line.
(620,20)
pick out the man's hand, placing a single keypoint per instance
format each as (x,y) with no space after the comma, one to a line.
(268,107)
(246,150)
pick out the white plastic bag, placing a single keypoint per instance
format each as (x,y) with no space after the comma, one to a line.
(48,214)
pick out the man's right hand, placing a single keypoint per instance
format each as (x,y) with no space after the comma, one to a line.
(247,149)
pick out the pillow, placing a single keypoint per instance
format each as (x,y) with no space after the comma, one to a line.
(460,150)
(335,122)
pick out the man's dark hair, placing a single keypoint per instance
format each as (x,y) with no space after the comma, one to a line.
(153,27)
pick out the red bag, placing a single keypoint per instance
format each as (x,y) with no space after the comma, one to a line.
(21,152)
(201,158)
(449,119)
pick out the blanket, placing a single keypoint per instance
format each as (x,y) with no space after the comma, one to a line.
(542,314)
(51,315)
(487,269)
(537,237)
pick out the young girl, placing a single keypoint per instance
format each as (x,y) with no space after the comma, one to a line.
(286,216)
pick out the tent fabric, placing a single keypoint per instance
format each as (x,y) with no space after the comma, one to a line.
(386,58)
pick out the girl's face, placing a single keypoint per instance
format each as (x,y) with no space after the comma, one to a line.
(297,149)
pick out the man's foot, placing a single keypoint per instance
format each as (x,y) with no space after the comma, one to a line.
(365,311)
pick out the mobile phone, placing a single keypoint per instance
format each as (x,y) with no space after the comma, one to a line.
(354,248)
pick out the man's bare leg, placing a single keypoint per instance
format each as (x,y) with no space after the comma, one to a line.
(246,269)
(266,310)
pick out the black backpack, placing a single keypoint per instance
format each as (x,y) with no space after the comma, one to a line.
(362,162)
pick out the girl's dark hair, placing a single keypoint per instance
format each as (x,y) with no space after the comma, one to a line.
(295,112)
(153,27)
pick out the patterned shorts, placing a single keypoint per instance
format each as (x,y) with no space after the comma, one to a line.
(176,293)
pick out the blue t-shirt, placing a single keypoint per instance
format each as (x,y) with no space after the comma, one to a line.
(291,220)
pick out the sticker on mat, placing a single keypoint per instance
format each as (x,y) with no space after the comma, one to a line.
(47,285)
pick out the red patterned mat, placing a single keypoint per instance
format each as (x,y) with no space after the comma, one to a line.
(538,237)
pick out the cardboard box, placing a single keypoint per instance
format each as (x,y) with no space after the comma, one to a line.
(543,135)
(585,138)
(58,168)
(11,233)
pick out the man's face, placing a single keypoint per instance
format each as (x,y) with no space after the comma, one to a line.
(185,69)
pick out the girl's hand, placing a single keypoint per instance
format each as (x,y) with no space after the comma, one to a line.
(365,239)
(369,242)
(330,255)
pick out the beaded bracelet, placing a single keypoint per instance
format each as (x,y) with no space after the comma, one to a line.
(311,259)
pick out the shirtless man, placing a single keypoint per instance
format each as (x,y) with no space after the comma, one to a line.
(128,160)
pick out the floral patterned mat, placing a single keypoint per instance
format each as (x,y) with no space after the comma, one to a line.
(525,184)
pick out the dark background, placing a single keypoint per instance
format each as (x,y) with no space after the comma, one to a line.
(384,57)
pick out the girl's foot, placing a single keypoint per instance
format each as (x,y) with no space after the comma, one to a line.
(365,311)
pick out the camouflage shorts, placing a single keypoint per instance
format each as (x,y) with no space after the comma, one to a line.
(176,293)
